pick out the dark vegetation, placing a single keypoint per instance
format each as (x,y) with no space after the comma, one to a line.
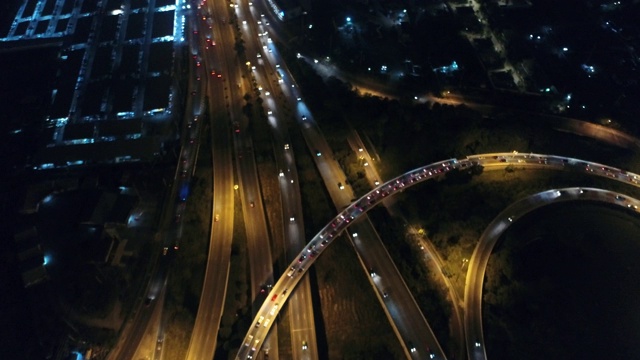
(569,272)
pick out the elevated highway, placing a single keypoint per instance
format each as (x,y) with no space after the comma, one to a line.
(289,280)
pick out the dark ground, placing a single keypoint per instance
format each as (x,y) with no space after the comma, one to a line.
(570,289)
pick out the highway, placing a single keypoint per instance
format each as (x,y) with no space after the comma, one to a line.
(256,32)
(456,323)
(412,325)
(480,258)
(258,237)
(412,321)
(316,245)
(203,340)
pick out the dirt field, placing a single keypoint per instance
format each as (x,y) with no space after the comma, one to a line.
(354,322)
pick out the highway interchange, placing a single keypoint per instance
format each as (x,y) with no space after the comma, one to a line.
(218,80)
(473,290)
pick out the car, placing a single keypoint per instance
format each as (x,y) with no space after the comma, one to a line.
(324,242)
(286,146)
(274,309)
(385,295)
(266,322)
(340,186)
(148,301)
(193,93)
(213,72)
(252,204)
(274,297)
(291,272)
(318,153)
(259,321)
(292,218)
(304,118)
(301,259)
(216,217)
(304,345)
(619,197)
(372,273)
(411,347)
(314,253)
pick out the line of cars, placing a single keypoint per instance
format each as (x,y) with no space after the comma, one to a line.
(421,174)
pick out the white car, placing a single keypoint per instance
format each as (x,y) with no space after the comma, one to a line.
(249,340)
(274,309)
(259,321)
